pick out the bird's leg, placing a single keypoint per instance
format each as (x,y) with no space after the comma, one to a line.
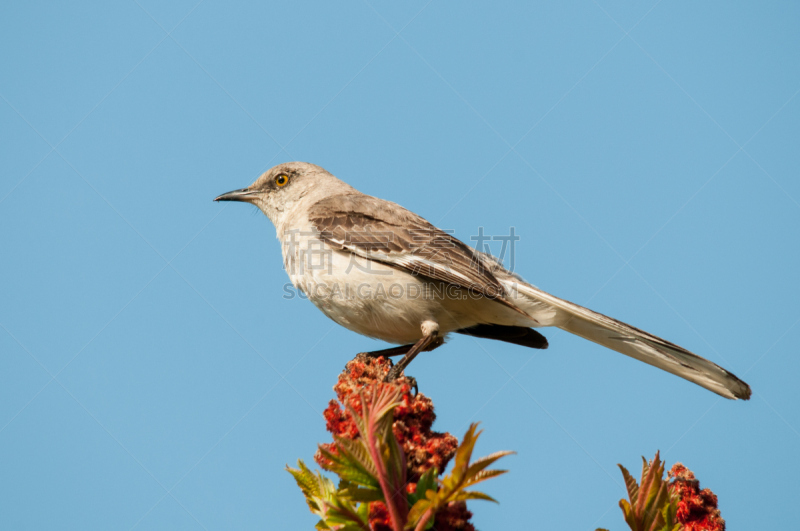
(430,340)
(387,352)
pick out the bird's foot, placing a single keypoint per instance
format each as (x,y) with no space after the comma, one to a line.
(413,383)
(393,374)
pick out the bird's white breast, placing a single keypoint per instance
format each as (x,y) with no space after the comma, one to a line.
(378,300)
(364,296)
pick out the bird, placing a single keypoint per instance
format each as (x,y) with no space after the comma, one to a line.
(385,272)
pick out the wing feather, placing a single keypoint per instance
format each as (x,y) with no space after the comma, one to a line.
(386,232)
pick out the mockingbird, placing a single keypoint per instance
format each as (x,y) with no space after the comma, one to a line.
(384,272)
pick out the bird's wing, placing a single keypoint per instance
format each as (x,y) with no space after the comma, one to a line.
(388,233)
(636,343)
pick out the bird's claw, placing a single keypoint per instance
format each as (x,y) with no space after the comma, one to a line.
(394,374)
(413,383)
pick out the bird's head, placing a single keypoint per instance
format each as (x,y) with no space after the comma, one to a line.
(283,186)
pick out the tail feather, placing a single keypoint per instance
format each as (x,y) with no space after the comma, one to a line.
(633,342)
(518,335)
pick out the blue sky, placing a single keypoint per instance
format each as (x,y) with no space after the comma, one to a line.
(646,153)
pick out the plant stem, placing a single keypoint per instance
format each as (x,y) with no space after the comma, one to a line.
(424,520)
(389,494)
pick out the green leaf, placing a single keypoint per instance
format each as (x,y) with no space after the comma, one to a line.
(363,511)
(630,483)
(310,484)
(670,515)
(464,451)
(650,507)
(464,474)
(351,527)
(356,451)
(348,464)
(627,511)
(305,479)
(359,494)
(333,506)
(426,483)
(483,462)
(472,495)
(483,475)
(417,511)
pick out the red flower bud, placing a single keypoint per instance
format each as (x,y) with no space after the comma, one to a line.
(697,509)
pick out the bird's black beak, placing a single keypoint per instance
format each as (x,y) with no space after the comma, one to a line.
(243,194)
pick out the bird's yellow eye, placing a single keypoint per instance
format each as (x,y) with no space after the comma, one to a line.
(282,179)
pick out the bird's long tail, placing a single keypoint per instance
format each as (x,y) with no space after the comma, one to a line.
(626,339)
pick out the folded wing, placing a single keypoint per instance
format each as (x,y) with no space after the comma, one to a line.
(388,233)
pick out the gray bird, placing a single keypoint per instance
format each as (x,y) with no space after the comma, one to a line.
(382,271)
